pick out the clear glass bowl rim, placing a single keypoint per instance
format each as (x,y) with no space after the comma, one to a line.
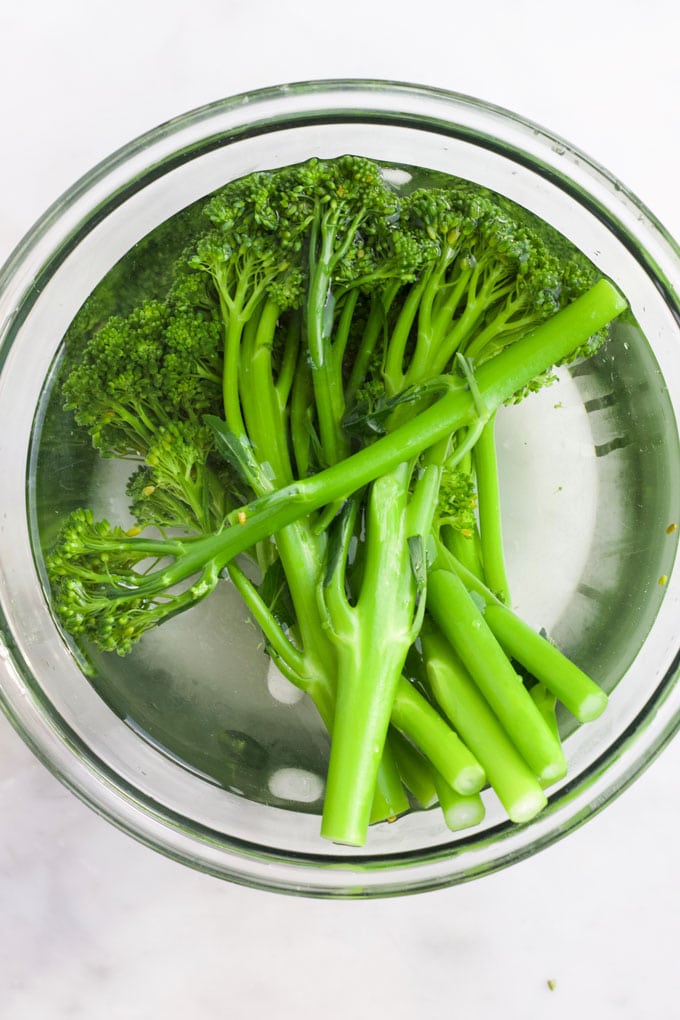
(40,252)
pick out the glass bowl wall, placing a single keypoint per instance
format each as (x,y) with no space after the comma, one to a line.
(228,776)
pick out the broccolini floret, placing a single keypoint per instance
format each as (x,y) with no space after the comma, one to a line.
(142,371)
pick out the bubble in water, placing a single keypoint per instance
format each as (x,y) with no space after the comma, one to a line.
(281,689)
(296,784)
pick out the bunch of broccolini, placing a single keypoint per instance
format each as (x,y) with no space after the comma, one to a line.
(314,385)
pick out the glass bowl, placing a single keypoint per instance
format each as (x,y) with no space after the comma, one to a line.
(195,746)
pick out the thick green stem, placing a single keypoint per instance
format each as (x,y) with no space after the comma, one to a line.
(416,772)
(460,810)
(300,550)
(414,716)
(302,557)
(489,509)
(300,421)
(263,413)
(466,548)
(326,378)
(389,797)
(546,703)
(570,685)
(456,693)
(464,626)
(233,331)
(372,639)
(371,652)
(313,673)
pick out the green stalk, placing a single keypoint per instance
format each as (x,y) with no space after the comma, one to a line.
(289,360)
(301,551)
(371,653)
(456,693)
(389,797)
(313,675)
(570,685)
(327,380)
(393,368)
(419,362)
(498,326)
(489,510)
(362,359)
(264,416)
(414,716)
(232,355)
(372,638)
(423,503)
(546,703)
(280,643)
(458,336)
(342,333)
(300,402)
(464,626)
(460,811)
(466,548)
(450,298)
(416,773)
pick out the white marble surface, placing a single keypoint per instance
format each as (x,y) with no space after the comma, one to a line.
(93,925)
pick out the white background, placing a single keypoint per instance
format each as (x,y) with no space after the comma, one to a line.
(93,925)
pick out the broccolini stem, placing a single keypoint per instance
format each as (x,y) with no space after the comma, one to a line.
(450,299)
(546,702)
(369,338)
(284,649)
(326,376)
(302,556)
(551,342)
(489,509)
(372,637)
(371,653)
(416,772)
(466,548)
(342,334)
(460,810)
(300,550)
(458,336)
(393,368)
(577,692)
(389,796)
(456,693)
(413,715)
(466,630)
(423,503)
(570,685)
(289,361)
(300,423)
(233,330)
(259,399)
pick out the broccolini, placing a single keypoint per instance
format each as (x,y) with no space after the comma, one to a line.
(314,385)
